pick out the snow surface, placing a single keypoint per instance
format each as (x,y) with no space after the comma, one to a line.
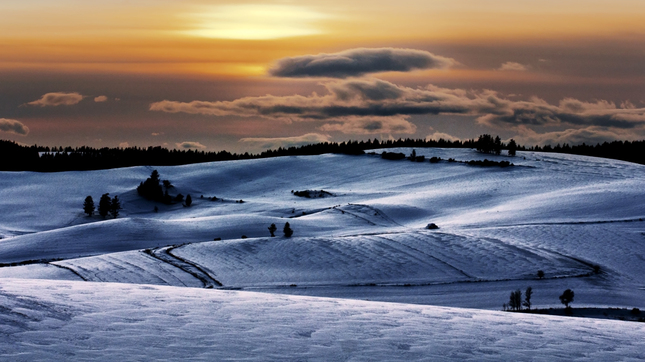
(562,214)
(74,321)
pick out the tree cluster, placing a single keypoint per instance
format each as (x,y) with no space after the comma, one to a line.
(155,189)
(515,302)
(107,206)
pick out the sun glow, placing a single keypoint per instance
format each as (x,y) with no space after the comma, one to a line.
(256,22)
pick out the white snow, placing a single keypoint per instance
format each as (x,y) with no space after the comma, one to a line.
(562,214)
(73,321)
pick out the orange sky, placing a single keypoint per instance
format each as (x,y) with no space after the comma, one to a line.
(243,38)
(143,51)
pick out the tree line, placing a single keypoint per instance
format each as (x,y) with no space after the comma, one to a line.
(16,157)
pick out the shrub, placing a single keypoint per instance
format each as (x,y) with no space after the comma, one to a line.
(392,156)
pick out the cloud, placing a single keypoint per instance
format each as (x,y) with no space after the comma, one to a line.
(124,145)
(574,136)
(101,99)
(372,125)
(156,133)
(13,126)
(369,99)
(57,99)
(436,136)
(514,67)
(357,62)
(190,145)
(285,142)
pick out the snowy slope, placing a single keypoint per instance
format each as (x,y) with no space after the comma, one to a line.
(79,321)
(562,214)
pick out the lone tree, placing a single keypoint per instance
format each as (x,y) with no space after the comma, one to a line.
(115,206)
(512,147)
(88,206)
(515,301)
(272,229)
(189,200)
(527,298)
(105,204)
(287,230)
(540,274)
(566,297)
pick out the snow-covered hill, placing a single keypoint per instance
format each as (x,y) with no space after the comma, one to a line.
(579,219)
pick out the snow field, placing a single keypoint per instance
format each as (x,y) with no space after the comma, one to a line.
(79,321)
(395,258)
(559,213)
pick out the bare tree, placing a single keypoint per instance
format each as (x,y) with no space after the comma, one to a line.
(515,300)
(527,298)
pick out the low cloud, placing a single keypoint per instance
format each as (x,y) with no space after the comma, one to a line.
(589,135)
(436,136)
(156,133)
(285,142)
(124,145)
(58,99)
(358,62)
(512,66)
(13,126)
(100,99)
(190,145)
(372,125)
(364,106)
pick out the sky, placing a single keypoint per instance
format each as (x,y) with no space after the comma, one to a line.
(250,75)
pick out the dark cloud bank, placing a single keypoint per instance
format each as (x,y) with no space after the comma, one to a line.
(358,62)
(368,105)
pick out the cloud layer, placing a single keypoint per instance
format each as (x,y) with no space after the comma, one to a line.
(513,66)
(273,143)
(358,62)
(13,126)
(190,145)
(58,99)
(367,99)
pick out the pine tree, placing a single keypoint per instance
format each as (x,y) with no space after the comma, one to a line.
(115,206)
(104,205)
(512,147)
(88,206)
(287,230)
(189,200)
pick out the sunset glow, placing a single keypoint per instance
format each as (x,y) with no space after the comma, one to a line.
(143,52)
